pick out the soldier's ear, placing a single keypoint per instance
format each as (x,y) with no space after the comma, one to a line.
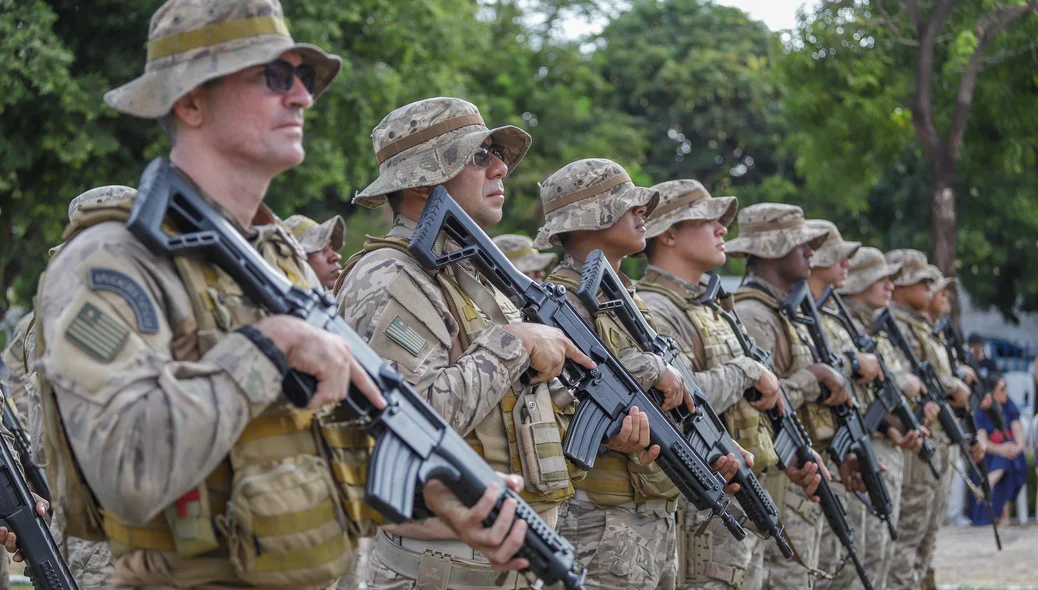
(421,192)
(668,237)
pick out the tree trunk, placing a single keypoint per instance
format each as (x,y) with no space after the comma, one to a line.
(942,216)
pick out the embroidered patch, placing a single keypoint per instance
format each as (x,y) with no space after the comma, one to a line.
(405,336)
(106,279)
(96,333)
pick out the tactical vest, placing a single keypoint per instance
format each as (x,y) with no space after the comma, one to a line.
(930,351)
(841,342)
(818,419)
(521,434)
(274,512)
(744,422)
(618,478)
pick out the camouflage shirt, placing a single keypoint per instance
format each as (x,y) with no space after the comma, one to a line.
(907,316)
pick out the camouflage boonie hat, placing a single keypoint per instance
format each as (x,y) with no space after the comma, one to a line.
(772,230)
(943,282)
(98,196)
(867,266)
(588,195)
(313,236)
(681,200)
(519,249)
(835,248)
(429,142)
(193,41)
(914,267)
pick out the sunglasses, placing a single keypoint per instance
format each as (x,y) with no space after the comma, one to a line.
(485,155)
(280,75)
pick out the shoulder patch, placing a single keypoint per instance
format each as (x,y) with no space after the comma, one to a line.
(106,279)
(96,333)
(404,335)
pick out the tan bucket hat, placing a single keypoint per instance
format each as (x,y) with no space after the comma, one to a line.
(914,267)
(835,248)
(772,230)
(589,194)
(686,199)
(193,41)
(313,236)
(519,249)
(97,197)
(429,142)
(867,266)
(943,282)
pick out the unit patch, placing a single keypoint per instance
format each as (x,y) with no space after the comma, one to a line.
(96,333)
(405,336)
(106,279)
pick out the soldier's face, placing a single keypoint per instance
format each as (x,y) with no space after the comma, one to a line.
(916,296)
(939,303)
(325,263)
(253,124)
(481,191)
(701,242)
(878,294)
(796,265)
(627,235)
(834,275)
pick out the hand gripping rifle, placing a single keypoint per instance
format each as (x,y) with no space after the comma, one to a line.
(886,322)
(889,398)
(960,357)
(791,441)
(606,393)
(703,429)
(414,444)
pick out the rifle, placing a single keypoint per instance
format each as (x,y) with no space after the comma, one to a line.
(886,322)
(703,429)
(414,444)
(852,436)
(792,443)
(889,398)
(36,477)
(606,393)
(43,562)
(959,358)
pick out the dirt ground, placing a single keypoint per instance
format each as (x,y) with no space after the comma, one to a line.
(967,556)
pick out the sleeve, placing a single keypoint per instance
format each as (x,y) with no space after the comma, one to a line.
(144,427)
(767,332)
(404,316)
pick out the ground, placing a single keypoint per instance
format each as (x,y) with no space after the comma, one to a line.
(967,556)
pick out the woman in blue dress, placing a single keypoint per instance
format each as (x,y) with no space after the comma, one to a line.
(1007,467)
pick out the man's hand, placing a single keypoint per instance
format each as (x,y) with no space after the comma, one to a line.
(911,442)
(850,474)
(808,476)
(930,411)
(634,437)
(769,387)
(831,379)
(959,398)
(327,357)
(913,386)
(728,465)
(968,374)
(498,543)
(672,386)
(10,540)
(870,369)
(979,448)
(548,348)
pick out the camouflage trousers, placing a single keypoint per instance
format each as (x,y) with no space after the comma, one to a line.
(715,560)
(920,497)
(832,551)
(803,521)
(91,564)
(938,509)
(356,577)
(623,547)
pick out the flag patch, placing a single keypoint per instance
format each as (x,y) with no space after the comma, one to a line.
(96,333)
(404,335)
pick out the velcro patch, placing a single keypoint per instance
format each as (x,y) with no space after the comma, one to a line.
(106,279)
(404,335)
(96,333)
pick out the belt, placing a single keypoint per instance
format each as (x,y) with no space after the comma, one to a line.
(655,505)
(433,568)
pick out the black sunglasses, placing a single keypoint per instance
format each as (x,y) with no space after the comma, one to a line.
(484,155)
(280,73)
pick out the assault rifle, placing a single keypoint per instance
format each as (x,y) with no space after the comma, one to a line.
(36,477)
(886,322)
(605,394)
(44,565)
(852,436)
(791,441)
(889,398)
(703,429)
(960,357)
(414,444)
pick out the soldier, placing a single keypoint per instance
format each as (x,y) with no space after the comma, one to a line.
(940,304)
(456,338)
(322,243)
(685,240)
(161,384)
(868,288)
(621,518)
(779,246)
(519,249)
(15,361)
(923,500)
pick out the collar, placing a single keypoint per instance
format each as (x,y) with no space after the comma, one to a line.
(908,312)
(767,287)
(402,227)
(658,276)
(571,263)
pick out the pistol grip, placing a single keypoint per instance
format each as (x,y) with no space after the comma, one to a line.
(586,433)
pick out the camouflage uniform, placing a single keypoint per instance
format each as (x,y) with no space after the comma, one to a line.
(519,249)
(770,231)
(162,407)
(713,560)
(923,500)
(313,236)
(621,520)
(445,332)
(15,361)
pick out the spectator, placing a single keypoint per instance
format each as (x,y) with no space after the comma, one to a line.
(1007,468)
(986,367)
